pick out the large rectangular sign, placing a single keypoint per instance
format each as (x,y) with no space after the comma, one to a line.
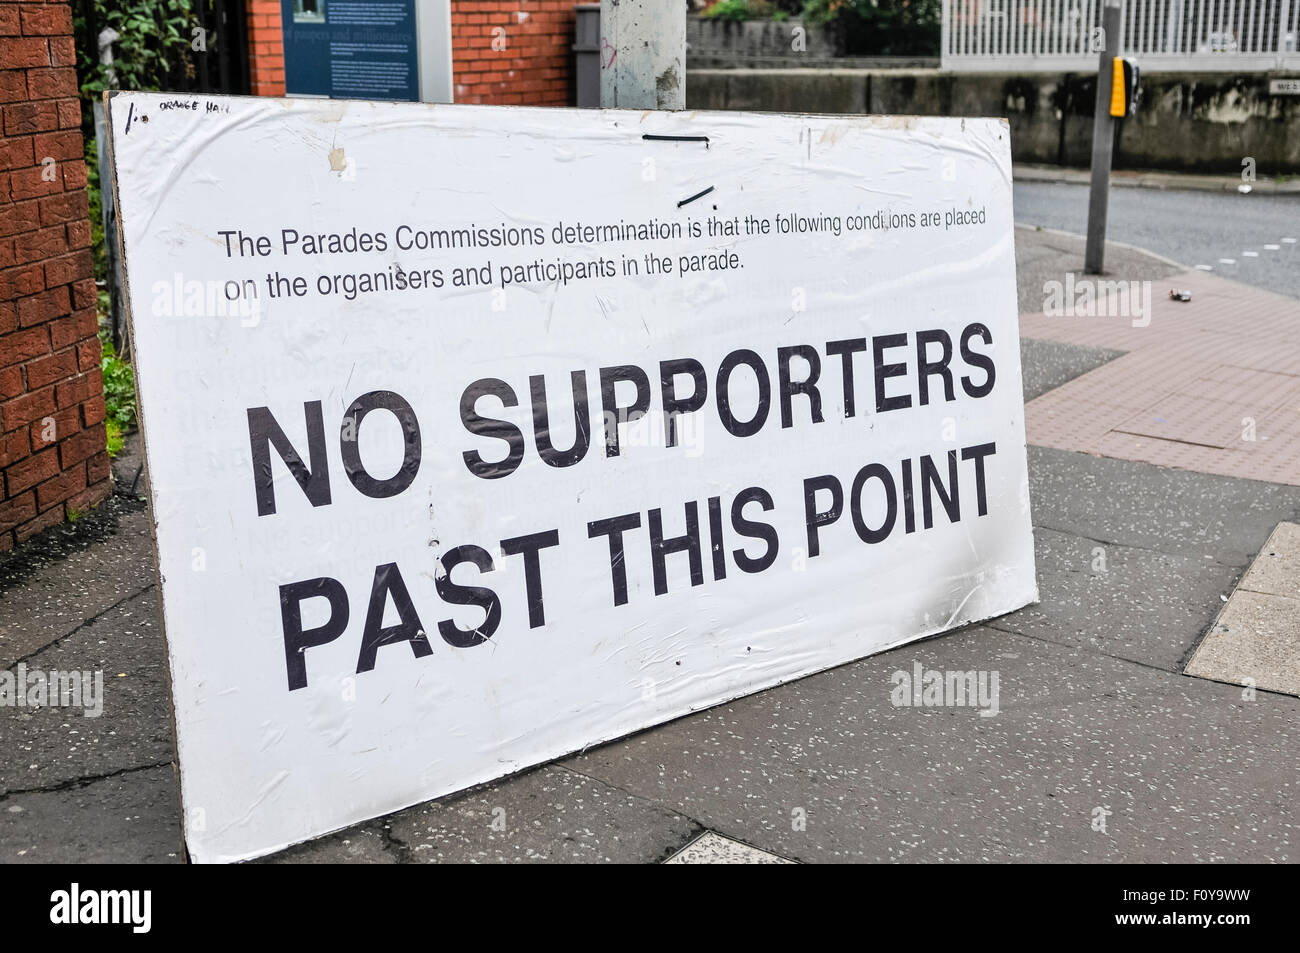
(478,435)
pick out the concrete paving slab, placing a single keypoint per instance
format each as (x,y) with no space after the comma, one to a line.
(72,573)
(1049,364)
(363,844)
(829,769)
(51,746)
(713,848)
(131,817)
(1276,570)
(1129,602)
(1182,512)
(548,815)
(1256,641)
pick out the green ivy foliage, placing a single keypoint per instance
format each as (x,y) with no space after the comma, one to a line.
(119,390)
(153,44)
(154,39)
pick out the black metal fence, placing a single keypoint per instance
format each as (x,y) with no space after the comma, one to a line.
(219,65)
(225,70)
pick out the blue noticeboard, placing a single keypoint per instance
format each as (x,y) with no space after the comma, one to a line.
(351,49)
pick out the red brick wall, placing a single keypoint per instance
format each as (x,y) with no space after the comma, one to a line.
(265,48)
(533,69)
(52,457)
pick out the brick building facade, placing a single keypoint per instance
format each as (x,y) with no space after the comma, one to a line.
(53,462)
(503,53)
(534,67)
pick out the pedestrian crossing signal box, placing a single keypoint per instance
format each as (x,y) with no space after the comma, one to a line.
(1124,91)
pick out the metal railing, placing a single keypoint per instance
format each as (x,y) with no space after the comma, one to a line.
(1049,35)
(221,66)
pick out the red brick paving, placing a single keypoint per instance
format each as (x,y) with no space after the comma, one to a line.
(1198,382)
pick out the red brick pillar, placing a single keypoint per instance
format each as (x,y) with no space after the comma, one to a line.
(265,48)
(52,456)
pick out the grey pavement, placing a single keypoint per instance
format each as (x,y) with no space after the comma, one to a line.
(1044,255)
(1134,562)
(1228,232)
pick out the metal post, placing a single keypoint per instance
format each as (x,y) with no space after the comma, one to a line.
(1103,141)
(945,25)
(112,267)
(1283,27)
(1174,27)
(643,54)
(433,41)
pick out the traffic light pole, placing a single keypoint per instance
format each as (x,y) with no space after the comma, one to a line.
(1103,140)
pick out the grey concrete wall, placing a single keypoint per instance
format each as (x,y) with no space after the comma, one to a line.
(708,36)
(1191,122)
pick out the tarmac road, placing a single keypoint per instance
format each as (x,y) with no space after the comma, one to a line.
(1226,231)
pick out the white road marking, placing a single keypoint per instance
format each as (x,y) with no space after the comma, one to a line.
(1250,254)
(1227,261)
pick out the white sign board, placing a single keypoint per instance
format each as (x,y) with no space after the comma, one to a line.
(478,435)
